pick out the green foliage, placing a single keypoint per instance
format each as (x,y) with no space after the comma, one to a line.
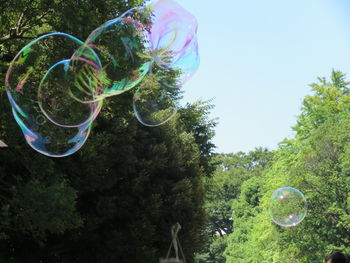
(315,162)
(40,209)
(233,170)
(329,99)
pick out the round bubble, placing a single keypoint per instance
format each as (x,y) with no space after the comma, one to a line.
(287,207)
(120,47)
(22,81)
(56,84)
(153,104)
(56,97)
(173,38)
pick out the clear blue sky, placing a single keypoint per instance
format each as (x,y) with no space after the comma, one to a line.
(257,59)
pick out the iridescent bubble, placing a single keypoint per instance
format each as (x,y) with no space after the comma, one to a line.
(173,38)
(287,207)
(56,84)
(57,100)
(173,47)
(153,105)
(120,46)
(22,81)
(49,139)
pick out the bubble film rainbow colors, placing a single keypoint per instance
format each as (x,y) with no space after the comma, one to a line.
(56,84)
(288,207)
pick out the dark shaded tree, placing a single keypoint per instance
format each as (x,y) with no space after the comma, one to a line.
(116,199)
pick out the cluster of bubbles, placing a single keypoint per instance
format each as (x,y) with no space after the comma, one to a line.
(57,83)
(288,207)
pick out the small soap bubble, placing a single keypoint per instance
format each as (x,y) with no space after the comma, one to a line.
(40,119)
(287,207)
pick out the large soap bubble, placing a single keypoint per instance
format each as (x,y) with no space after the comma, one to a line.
(173,38)
(56,84)
(120,46)
(59,83)
(287,207)
(153,105)
(172,45)
(23,79)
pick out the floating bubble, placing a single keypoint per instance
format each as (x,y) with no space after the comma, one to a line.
(56,84)
(153,105)
(173,38)
(288,207)
(173,47)
(49,139)
(120,46)
(57,100)
(22,81)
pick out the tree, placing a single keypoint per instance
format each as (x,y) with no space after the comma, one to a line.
(222,191)
(315,162)
(115,199)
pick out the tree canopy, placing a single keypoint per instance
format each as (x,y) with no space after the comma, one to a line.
(315,161)
(116,199)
